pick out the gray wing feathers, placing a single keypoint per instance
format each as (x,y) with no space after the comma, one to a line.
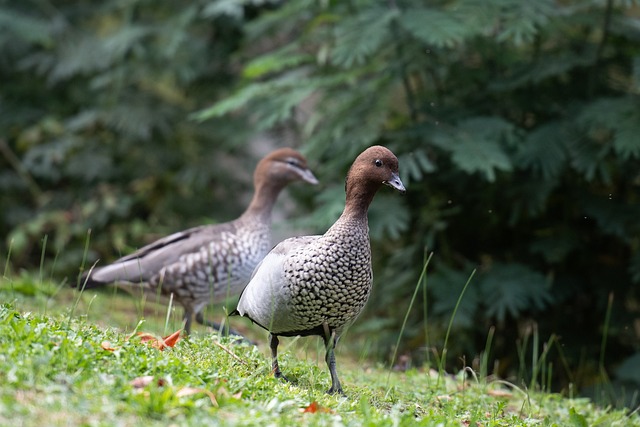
(127,271)
(146,262)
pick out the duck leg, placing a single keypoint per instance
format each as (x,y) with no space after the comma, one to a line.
(275,368)
(225,331)
(330,341)
(188,319)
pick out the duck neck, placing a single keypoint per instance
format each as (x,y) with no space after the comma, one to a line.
(357,203)
(263,200)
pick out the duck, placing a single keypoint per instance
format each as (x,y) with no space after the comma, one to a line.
(209,262)
(318,285)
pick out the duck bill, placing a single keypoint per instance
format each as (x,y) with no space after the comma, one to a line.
(395,182)
(308,176)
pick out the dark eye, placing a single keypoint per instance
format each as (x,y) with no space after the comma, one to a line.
(378,162)
(292,162)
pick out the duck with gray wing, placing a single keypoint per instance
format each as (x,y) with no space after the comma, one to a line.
(210,262)
(317,285)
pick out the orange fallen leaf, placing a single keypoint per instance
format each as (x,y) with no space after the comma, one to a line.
(144,381)
(106,345)
(499,393)
(160,343)
(146,336)
(171,340)
(315,407)
(190,391)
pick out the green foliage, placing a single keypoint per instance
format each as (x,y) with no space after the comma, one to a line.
(475,146)
(513,289)
(359,35)
(516,126)
(95,104)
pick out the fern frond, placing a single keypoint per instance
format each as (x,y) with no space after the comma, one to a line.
(360,35)
(510,289)
(290,16)
(437,28)
(76,56)
(385,222)
(274,62)
(546,67)
(415,164)
(27,28)
(235,101)
(117,44)
(229,9)
(614,218)
(522,20)
(587,157)
(614,120)
(555,247)
(543,150)
(475,145)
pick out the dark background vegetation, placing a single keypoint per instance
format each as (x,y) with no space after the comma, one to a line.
(516,122)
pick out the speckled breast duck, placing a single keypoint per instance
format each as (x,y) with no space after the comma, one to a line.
(210,262)
(317,285)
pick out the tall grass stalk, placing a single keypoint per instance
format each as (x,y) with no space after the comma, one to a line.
(93,298)
(443,357)
(521,350)
(565,366)
(605,333)
(534,355)
(42,253)
(484,359)
(63,283)
(538,359)
(425,311)
(79,285)
(166,319)
(603,346)
(541,366)
(406,316)
(5,273)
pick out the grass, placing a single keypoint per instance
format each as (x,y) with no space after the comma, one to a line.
(55,370)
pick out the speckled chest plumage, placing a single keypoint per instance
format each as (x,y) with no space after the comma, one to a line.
(220,268)
(329,281)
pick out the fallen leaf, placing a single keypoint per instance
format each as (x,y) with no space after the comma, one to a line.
(190,391)
(145,337)
(315,407)
(171,340)
(144,381)
(106,345)
(312,408)
(160,343)
(499,393)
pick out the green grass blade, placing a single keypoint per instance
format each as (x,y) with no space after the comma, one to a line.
(443,358)
(406,315)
